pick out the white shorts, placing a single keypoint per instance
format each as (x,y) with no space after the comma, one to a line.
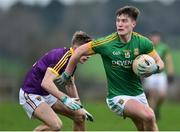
(31,101)
(121,101)
(156,81)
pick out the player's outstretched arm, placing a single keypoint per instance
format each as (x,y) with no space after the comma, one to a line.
(83,50)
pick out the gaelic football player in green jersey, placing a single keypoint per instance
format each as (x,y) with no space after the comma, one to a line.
(125,94)
(157,84)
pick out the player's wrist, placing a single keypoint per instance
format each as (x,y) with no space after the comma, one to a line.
(62,98)
(66,75)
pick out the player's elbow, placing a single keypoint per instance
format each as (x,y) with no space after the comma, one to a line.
(45,83)
(160,63)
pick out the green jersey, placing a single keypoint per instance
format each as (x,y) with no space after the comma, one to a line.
(117,59)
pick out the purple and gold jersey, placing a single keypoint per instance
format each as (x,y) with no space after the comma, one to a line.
(55,60)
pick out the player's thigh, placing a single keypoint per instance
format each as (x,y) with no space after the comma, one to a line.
(60,108)
(135,109)
(46,114)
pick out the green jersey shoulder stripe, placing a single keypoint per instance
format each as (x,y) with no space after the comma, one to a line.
(104,40)
(137,34)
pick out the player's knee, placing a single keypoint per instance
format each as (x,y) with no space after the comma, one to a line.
(79,117)
(149,117)
(56,126)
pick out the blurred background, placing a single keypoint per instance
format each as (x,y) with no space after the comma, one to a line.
(29,28)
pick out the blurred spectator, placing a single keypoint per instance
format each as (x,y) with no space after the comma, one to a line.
(157,84)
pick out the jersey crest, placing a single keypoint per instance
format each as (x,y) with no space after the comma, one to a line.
(136,51)
(127,53)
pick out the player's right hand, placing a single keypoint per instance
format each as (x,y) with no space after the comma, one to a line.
(146,70)
(88,116)
(71,103)
(62,80)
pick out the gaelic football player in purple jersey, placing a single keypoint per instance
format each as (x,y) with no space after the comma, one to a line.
(41,98)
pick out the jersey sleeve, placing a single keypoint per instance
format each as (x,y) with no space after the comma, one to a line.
(61,64)
(146,46)
(97,44)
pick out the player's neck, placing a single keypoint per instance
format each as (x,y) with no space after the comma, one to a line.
(126,38)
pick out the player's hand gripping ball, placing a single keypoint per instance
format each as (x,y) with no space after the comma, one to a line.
(144,65)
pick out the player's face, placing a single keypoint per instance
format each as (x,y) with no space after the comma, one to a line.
(124,24)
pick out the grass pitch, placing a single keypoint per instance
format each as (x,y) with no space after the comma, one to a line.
(13,118)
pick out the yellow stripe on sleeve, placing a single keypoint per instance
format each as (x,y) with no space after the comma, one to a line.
(53,71)
(135,33)
(90,50)
(62,61)
(72,51)
(62,64)
(108,39)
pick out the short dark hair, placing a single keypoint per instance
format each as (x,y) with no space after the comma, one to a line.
(131,11)
(80,38)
